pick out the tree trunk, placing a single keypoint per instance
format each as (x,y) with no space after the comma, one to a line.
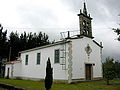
(47,89)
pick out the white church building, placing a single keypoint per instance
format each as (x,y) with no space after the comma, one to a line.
(75,57)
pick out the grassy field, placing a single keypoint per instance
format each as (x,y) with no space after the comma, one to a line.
(32,85)
(2,88)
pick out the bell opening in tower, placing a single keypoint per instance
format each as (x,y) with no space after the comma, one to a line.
(85,23)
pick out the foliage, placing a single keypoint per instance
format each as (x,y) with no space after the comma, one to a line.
(16,43)
(20,42)
(117,30)
(26,41)
(3,49)
(118,33)
(49,77)
(32,85)
(117,69)
(3,43)
(109,69)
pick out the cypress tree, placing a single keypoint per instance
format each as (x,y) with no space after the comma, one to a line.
(49,77)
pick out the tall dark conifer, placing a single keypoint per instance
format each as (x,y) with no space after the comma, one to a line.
(25,41)
(49,77)
(14,44)
(3,50)
(3,43)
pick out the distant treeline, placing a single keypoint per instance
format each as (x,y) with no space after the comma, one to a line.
(12,45)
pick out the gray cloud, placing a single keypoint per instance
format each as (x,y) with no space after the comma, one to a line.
(105,16)
(62,16)
(37,17)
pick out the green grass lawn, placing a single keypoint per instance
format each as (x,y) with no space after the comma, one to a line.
(33,85)
(2,88)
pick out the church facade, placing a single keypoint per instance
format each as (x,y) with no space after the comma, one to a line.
(73,58)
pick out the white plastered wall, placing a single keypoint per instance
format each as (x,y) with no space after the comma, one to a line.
(80,57)
(32,70)
(17,69)
(14,69)
(6,70)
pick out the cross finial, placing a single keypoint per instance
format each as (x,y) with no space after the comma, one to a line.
(83,1)
(84,9)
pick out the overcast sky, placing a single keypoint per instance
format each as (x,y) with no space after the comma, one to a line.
(55,16)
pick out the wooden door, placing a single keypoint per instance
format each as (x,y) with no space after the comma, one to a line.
(8,71)
(88,70)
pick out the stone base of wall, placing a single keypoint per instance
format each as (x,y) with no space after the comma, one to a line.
(81,79)
(33,79)
(60,81)
(84,80)
(40,79)
(97,78)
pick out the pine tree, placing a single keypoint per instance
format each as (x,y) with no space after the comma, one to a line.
(14,44)
(3,49)
(3,43)
(25,41)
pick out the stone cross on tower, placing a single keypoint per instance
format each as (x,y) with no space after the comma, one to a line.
(85,23)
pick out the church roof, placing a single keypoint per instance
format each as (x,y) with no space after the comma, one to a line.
(97,44)
(57,43)
(14,61)
(45,46)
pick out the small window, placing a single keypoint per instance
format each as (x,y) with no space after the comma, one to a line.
(87,24)
(26,60)
(57,56)
(84,22)
(38,58)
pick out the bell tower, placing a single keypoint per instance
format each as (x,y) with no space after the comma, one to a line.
(85,23)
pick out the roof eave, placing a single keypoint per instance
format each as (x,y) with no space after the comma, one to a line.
(41,47)
(97,44)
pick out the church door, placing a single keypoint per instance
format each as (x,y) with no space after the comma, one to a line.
(8,71)
(88,71)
